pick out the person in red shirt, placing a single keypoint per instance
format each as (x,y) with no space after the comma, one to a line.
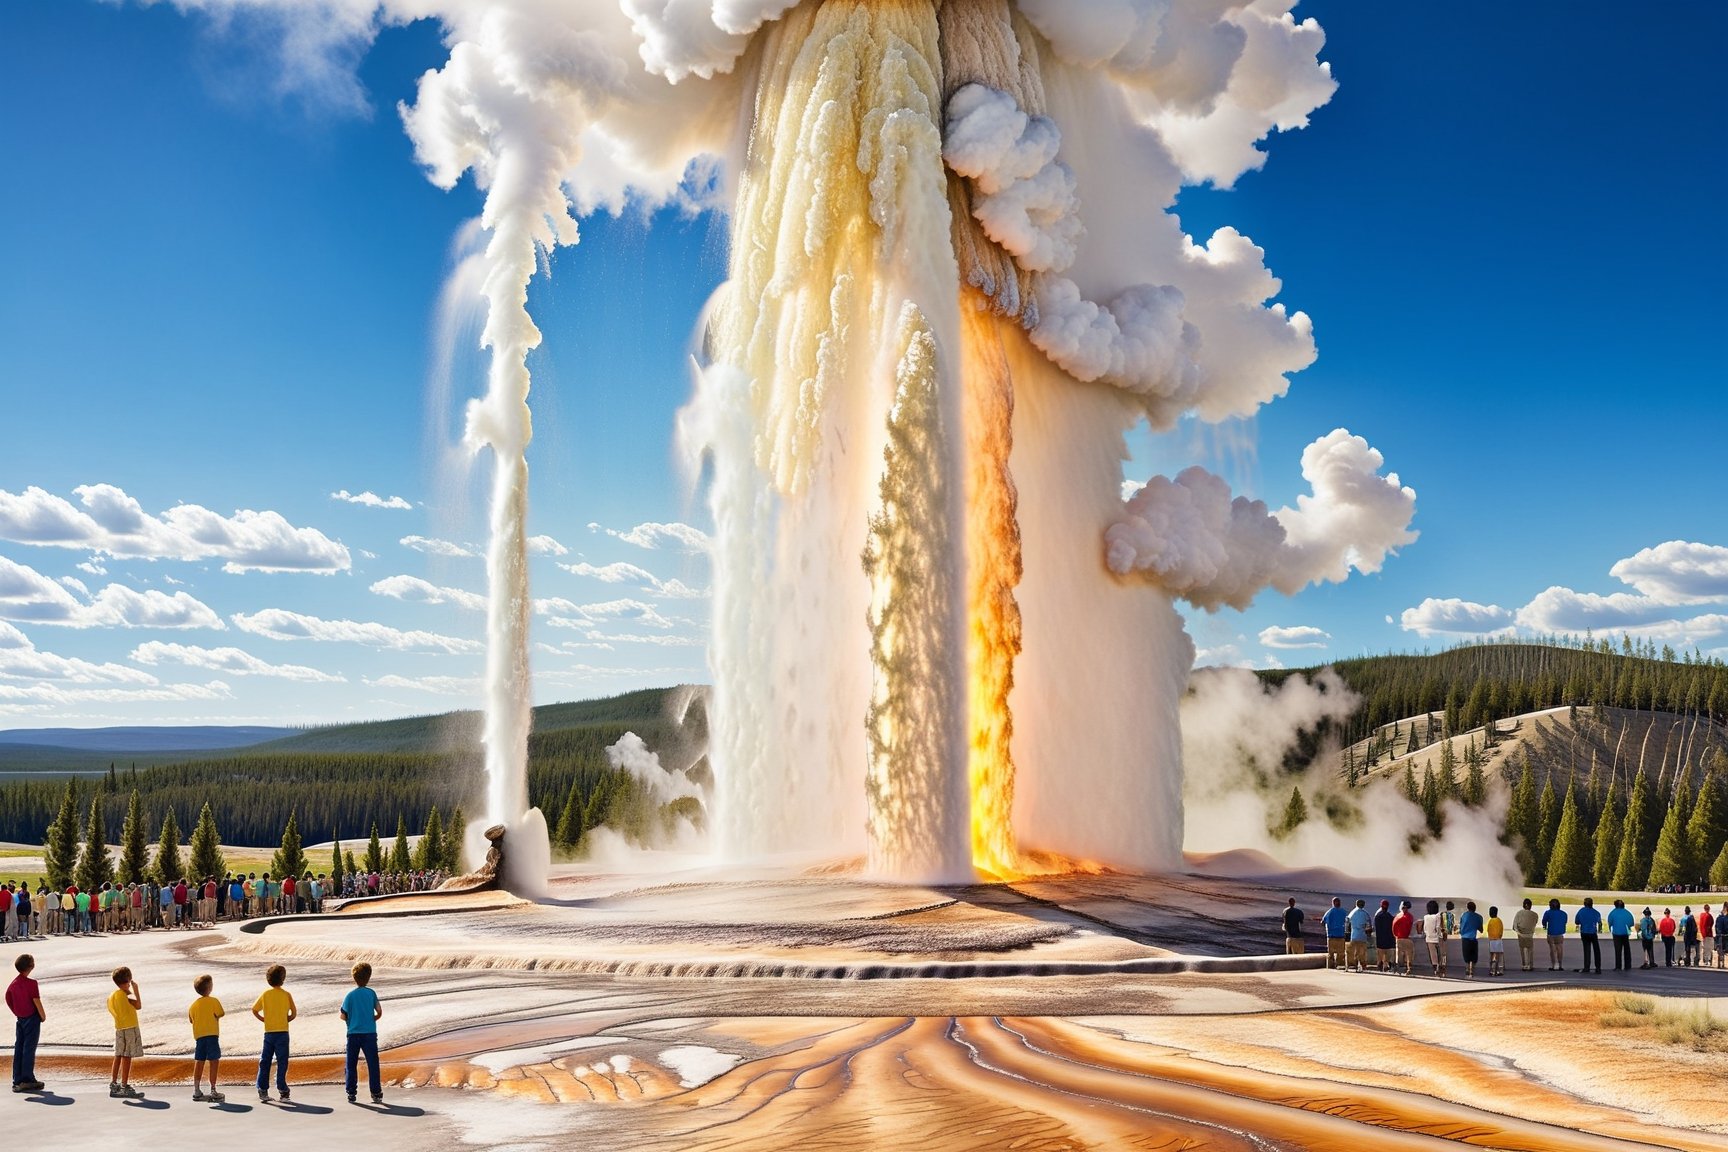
(1707,931)
(1665,928)
(288,886)
(207,907)
(181,918)
(24,998)
(1406,948)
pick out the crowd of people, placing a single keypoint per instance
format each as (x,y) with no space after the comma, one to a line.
(274,1008)
(27,913)
(1391,941)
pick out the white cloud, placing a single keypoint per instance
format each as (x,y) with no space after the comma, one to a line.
(281,624)
(231,660)
(92,567)
(20,659)
(660,640)
(1454,617)
(678,590)
(434,547)
(654,536)
(1300,636)
(53,694)
(546,546)
(623,573)
(1677,572)
(371,500)
(26,594)
(113,523)
(1558,609)
(418,591)
(437,685)
(565,614)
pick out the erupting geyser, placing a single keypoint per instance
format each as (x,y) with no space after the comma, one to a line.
(942,638)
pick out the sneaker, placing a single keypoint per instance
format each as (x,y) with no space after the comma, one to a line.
(130,1093)
(198,1097)
(26,1088)
(35,1086)
(377,1099)
(284,1095)
(263,1096)
(113,1090)
(350,1097)
(218,1098)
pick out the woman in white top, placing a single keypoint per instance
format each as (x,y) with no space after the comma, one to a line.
(1434,931)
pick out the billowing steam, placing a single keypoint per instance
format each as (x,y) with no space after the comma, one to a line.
(956,281)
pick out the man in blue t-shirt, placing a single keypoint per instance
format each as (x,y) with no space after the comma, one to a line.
(1356,952)
(1589,923)
(1470,927)
(361,1011)
(1337,924)
(1554,923)
(1620,929)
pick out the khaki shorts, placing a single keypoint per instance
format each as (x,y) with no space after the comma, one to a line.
(128,1042)
(1293,946)
(1406,951)
(1357,952)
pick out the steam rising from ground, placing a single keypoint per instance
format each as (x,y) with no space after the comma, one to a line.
(1235,734)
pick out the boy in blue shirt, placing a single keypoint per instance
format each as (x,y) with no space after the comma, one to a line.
(1589,923)
(1554,923)
(1620,929)
(361,1012)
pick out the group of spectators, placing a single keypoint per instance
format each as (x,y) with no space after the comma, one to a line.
(137,907)
(1357,937)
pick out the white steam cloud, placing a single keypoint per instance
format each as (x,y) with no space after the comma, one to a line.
(1189,536)
(633,756)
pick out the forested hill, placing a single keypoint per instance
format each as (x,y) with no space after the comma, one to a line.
(1472,684)
(340,781)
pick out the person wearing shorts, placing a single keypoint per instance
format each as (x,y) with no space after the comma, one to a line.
(1402,925)
(206,1017)
(123,1005)
(1470,927)
(1293,942)
(1524,925)
(1337,924)
(1554,923)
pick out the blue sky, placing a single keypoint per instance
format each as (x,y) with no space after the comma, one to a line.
(1508,233)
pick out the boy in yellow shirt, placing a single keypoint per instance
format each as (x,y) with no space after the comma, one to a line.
(275,1007)
(206,1016)
(1496,943)
(123,1005)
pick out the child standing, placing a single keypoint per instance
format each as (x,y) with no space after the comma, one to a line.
(275,1007)
(361,1012)
(123,1005)
(1496,943)
(206,1016)
(24,998)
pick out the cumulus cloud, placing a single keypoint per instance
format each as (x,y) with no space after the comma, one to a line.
(567,614)
(546,546)
(1677,572)
(1558,609)
(27,595)
(114,524)
(371,500)
(281,624)
(1191,537)
(622,573)
(1454,617)
(654,536)
(418,591)
(231,660)
(1301,636)
(20,659)
(435,547)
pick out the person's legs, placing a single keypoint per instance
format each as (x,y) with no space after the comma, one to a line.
(349,1079)
(282,1067)
(1556,952)
(265,1054)
(1668,951)
(24,1041)
(369,1046)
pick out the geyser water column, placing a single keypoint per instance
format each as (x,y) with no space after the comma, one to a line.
(839,702)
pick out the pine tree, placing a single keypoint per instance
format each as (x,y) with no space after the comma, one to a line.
(1521,815)
(1447,781)
(1430,800)
(289,859)
(207,860)
(400,859)
(1707,827)
(1295,813)
(348,868)
(1637,837)
(1673,863)
(95,867)
(60,849)
(1412,745)
(570,827)
(1550,828)
(1719,871)
(1608,830)
(454,841)
(430,850)
(134,844)
(1570,865)
(167,867)
(374,861)
(1475,790)
(337,869)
